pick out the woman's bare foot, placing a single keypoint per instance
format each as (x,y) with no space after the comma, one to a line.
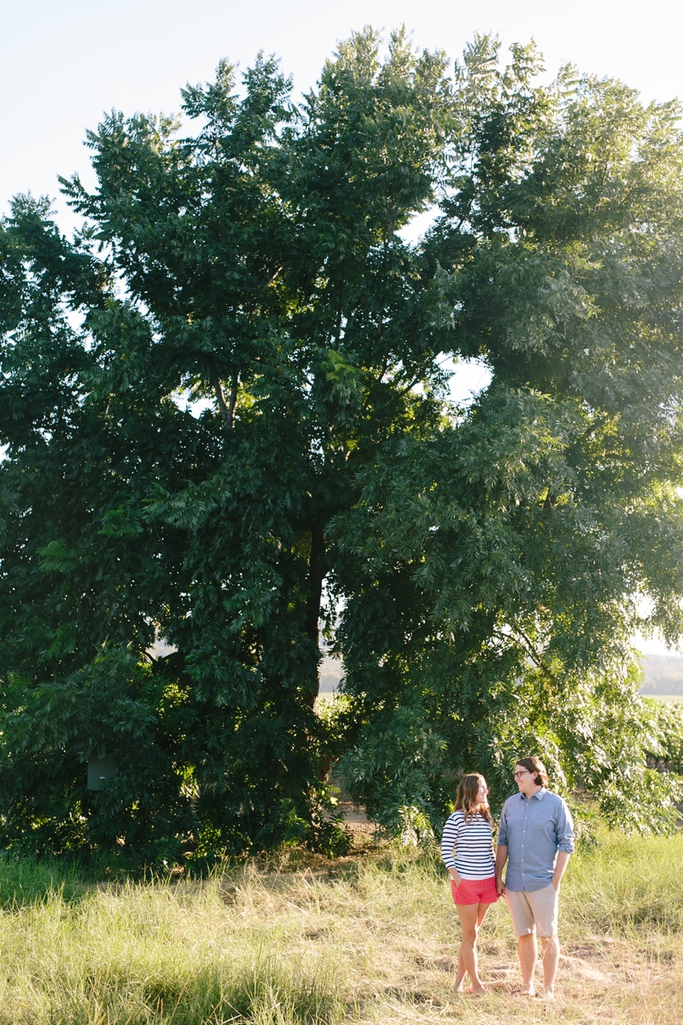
(471,991)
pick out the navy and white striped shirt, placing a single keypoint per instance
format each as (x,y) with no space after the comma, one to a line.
(472,844)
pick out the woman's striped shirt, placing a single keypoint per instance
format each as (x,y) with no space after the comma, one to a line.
(468,846)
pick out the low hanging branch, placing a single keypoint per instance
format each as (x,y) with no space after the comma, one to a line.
(525,642)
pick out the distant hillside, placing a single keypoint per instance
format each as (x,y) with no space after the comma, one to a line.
(663,674)
(331,672)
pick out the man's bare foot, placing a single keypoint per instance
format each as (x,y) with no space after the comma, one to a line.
(549,994)
(523,993)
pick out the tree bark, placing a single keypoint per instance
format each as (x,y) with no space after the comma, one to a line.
(316,575)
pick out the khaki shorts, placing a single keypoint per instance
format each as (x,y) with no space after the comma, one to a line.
(533,911)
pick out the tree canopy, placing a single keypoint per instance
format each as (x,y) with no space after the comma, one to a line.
(227,424)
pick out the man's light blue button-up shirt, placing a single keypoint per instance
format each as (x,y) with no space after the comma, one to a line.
(534,829)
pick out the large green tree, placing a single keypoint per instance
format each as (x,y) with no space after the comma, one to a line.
(255,269)
(496,575)
(225,420)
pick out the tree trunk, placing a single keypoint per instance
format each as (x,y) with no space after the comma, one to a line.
(316,575)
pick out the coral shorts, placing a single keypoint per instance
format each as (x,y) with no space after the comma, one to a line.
(475,891)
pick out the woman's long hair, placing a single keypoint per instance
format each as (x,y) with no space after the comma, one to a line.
(467,800)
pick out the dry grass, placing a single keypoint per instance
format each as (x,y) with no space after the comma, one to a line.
(368,939)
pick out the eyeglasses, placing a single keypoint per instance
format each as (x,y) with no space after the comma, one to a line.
(521,772)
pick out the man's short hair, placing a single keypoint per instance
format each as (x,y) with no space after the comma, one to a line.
(536,766)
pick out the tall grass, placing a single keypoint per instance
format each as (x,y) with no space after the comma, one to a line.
(367,939)
(152,953)
(627,884)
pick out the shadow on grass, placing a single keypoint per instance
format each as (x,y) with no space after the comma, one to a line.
(24,881)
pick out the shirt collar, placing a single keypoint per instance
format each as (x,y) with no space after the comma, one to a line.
(539,794)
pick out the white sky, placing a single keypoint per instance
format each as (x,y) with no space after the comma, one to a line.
(62,64)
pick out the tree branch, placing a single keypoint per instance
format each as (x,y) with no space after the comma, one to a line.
(529,647)
(222,405)
(233,399)
(227,408)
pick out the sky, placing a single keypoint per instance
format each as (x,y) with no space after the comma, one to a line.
(63,64)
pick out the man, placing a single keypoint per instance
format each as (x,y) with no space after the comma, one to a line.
(537,836)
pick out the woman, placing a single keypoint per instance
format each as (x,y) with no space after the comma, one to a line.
(467,852)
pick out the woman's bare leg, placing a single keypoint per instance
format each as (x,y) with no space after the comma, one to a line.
(471,916)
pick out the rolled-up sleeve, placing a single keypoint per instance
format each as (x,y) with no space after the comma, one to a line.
(565,830)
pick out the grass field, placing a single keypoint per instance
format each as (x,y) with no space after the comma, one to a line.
(369,939)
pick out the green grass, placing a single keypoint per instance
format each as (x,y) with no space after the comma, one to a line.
(25,882)
(369,939)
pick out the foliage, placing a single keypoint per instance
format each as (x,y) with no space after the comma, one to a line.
(257,269)
(499,569)
(667,753)
(224,410)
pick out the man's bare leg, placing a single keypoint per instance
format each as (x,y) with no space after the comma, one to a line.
(550,957)
(528,952)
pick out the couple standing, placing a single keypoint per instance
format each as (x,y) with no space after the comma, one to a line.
(535,838)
